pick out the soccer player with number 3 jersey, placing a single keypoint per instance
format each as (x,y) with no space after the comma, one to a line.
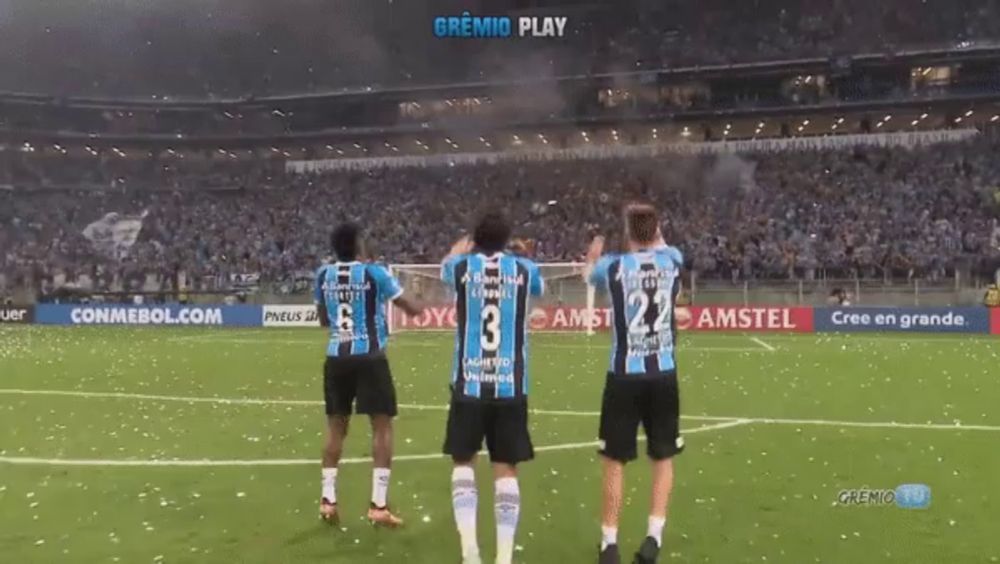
(641,383)
(489,382)
(351,297)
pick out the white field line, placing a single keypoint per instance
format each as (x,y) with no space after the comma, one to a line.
(281,335)
(437,345)
(814,338)
(761,342)
(256,401)
(226,334)
(154,397)
(552,412)
(876,424)
(299,461)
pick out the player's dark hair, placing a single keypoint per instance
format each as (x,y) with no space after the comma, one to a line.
(492,231)
(346,241)
(641,222)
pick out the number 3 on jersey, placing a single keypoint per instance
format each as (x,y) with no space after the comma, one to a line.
(641,299)
(490,340)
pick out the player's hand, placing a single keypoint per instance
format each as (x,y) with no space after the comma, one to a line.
(522,247)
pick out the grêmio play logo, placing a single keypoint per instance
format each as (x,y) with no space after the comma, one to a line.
(488,27)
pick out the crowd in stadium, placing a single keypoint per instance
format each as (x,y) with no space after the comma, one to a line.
(253,51)
(720,32)
(866,212)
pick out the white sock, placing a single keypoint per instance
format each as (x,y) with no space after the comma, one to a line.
(609,536)
(465,500)
(380,486)
(507,508)
(655,529)
(330,484)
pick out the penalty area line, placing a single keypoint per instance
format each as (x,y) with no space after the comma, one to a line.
(174,463)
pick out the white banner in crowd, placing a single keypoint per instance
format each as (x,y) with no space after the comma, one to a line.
(901,139)
(245,281)
(114,234)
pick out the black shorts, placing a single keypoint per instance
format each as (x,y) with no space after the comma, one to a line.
(504,425)
(654,402)
(366,378)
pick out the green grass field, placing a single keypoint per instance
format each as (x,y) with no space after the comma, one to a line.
(116,445)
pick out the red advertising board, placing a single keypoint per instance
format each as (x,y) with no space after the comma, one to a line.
(748,318)
(697,318)
(557,318)
(995,320)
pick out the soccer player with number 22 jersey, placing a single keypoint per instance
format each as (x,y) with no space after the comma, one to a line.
(641,385)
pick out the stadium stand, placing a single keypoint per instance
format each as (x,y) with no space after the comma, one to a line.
(315,45)
(863,212)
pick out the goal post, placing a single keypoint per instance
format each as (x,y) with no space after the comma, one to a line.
(568,305)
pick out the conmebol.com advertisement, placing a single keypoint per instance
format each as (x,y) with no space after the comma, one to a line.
(908,320)
(121,314)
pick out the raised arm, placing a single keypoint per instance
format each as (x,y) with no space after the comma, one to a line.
(461,247)
(594,251)
(320,298)
(393,291)
(595,272)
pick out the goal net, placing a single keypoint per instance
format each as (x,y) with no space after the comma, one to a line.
(568,303)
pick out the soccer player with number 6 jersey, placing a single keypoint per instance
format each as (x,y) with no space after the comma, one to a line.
(641,384)
(489,382)
(351,297)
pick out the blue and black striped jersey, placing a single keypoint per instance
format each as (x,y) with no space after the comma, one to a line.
(491,302)
(642,287)
(355,295)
